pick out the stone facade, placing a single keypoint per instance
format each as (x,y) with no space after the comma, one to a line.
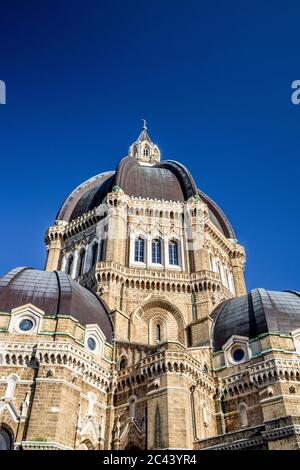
(159,384)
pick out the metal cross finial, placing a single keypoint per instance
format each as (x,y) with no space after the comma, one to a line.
(144,124)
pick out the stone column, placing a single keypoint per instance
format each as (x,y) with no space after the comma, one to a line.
(99,250)
(148,254)
(63,263)
(181,254)
(75,263)
(165,255)
(87,258)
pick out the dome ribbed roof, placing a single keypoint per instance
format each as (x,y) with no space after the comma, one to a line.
(258,312)
(55,293)
(167,180)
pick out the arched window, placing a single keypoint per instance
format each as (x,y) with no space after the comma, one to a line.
(211,262)
(204,414)
(139,250)
(189,336)
(94,254)
(81,263)
(102,249)
(227,279)
(194,306)
(192,397)
(173,253)
(146,151)
(243,415)
(131,404)
(5,440)
(158,333)
(219,270)
(157,435)
(70,265)
(156,251)
(123,363)
(231,283)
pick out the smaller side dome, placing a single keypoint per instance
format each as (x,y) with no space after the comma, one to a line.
(55,293)
(256,313)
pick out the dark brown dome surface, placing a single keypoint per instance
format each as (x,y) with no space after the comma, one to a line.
(167,180)
(259,312)
(55,293)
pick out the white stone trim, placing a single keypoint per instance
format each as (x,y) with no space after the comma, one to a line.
(93,331)
(42,445)
(24,312)
(8,405)
(236,342)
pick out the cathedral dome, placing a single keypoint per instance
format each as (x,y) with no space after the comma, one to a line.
(142,174)
(55,293)
(259,312)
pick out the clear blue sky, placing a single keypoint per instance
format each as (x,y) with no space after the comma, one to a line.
(213,79)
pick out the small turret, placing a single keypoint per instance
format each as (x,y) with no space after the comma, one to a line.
(143,149)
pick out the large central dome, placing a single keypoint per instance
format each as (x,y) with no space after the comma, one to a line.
(141,174)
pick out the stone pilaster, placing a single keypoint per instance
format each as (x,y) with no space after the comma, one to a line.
(117,227)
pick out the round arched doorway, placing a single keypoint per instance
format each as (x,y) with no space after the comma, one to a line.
(5,440)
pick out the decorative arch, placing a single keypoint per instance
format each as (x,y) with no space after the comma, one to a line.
(69,263)
(89,433)
(156,250)
(94,252)
(138,247)
(158,330)
(162,309)
(6,437)
(242,410)
(132,437)
(123,362)
(131,406)
(81,261)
